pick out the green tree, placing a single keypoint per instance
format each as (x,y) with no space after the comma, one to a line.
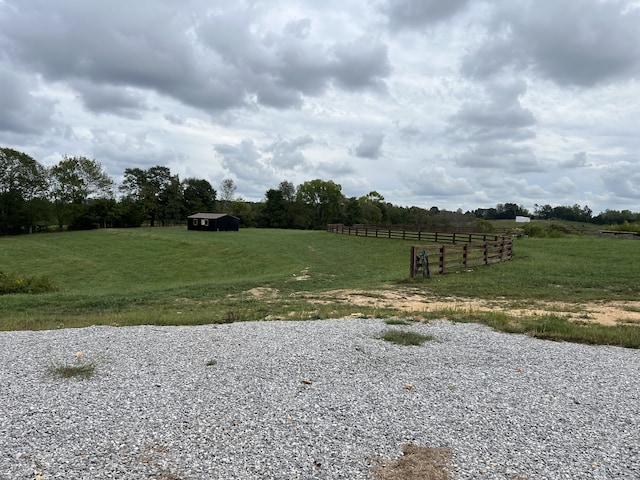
(74,181)
(373,208)
(199,196)
(147,187)
(275,213)
(171,209)
(23,184)
(241,209)
(323,200)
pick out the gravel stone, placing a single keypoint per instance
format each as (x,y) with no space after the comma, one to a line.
(313,400)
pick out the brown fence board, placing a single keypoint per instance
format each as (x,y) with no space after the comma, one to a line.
(448,251)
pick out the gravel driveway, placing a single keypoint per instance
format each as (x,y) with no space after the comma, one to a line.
(313,400)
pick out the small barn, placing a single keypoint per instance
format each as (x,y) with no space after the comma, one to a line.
(213,222)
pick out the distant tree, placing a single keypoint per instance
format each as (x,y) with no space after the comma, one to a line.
(74,181)
(241,209)
(323,200)
(542,212)
(288,191)
(147,187)
(126,213)
(23,184)
(275,213)
(199,196)
(353,212)
(373,208)
(616,217)
(227,191)
(171,209)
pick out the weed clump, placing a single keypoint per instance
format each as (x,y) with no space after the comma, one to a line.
(13,283)
(80,367)
(402,337)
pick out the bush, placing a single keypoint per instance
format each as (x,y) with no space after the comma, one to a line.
(553,230)
(13,283)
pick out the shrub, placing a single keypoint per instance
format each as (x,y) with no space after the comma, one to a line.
(13,283)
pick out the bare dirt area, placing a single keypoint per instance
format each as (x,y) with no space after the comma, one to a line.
(413,301)
(417,463)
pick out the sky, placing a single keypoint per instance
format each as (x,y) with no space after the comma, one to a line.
(459,104)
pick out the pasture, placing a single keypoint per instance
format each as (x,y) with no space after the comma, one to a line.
(171,276)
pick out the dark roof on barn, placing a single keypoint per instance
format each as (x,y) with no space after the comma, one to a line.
(211,216)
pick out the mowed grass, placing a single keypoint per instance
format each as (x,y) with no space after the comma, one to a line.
(571,268)
(170,276)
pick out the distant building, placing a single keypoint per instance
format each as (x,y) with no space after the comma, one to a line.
(213,222)
(522,219)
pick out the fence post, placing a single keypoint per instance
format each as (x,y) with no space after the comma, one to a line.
(441,262)
(465,253)
(412,263)
(486,253)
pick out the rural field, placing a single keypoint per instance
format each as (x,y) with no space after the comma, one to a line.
(385,391)
(579,288)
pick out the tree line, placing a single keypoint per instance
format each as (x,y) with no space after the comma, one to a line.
(77,193)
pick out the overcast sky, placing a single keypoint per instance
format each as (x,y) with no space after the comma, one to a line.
(456,103)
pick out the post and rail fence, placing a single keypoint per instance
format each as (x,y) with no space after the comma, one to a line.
(427,259)
(450,250)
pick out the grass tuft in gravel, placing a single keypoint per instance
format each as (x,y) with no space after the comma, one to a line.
(79,368)
(402,337)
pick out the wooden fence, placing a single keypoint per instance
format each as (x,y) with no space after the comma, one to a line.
(452,235)
(449,251)
(429,259)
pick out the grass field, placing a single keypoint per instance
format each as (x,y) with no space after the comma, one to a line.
(174,276)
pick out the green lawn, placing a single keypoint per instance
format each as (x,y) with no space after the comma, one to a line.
(175,276)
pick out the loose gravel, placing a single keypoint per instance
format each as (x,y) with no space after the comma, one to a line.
(313,400)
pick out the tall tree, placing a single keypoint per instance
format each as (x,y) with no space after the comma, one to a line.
(323,200)
(227,191)
(199,196)
(23,183)
(75,180)
(146,188)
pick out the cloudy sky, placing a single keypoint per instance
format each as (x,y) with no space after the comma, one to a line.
(455,104)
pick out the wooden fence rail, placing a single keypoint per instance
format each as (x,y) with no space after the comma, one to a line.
(416,234)
(427,259)
(450,251)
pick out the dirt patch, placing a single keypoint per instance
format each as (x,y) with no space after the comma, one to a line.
(417,463)
(264,292)
(414,301)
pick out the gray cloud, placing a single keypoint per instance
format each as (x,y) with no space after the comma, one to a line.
(431,181)
(500,117)
(125,102)
(578,160)
(415,14)
(216,64)
(286,154)
(500,156)
(560,40)
(492,90)
(370,146)
(493,130)
(563,186)
(622,180)
(23,112)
